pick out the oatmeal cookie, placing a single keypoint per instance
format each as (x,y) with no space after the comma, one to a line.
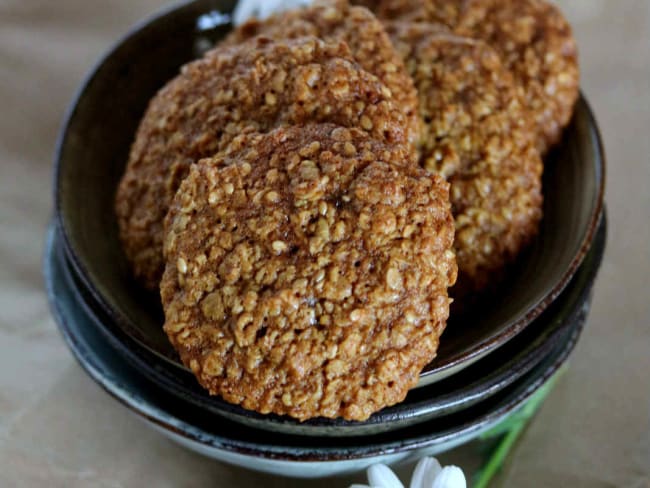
(307,272)
(359,29)
(532,37)
(251,87)
(536,43)
(477,135)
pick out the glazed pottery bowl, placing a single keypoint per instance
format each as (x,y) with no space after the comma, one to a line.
(93,149)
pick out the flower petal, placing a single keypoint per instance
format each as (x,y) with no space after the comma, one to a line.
(262,9)
(382,476)
(425,473)
(450,477)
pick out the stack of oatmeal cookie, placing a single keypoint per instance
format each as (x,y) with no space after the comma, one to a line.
(304,195)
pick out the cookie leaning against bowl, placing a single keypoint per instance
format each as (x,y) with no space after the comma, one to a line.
(478,134)
(357,27)
(307,272)
(532,37)
(252,87)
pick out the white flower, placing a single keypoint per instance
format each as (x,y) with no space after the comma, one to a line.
(427,474)
(262,9)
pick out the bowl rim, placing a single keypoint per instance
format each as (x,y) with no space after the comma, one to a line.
(468,356)
(164,419)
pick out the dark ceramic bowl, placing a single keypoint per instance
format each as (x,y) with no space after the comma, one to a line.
(94,146)
(471,386)
(287,455)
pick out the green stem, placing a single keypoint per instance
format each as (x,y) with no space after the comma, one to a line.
(514,426)
(498,457)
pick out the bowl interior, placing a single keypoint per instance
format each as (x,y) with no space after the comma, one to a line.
(93,151)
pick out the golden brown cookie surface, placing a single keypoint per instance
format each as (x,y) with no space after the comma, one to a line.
(536,43)
(532,37)
(478,135)
(251,87)
(338,21)
(307,272)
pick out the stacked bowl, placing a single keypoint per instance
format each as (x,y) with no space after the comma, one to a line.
(490,362)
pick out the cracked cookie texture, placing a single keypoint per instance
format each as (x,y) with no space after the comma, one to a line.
(307,272)
(370,46)
(255,86)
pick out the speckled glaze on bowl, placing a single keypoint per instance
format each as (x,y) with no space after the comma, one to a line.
(475,384)
(94,145)
(286,455)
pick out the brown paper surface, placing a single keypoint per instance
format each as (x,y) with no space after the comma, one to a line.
(57,428)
